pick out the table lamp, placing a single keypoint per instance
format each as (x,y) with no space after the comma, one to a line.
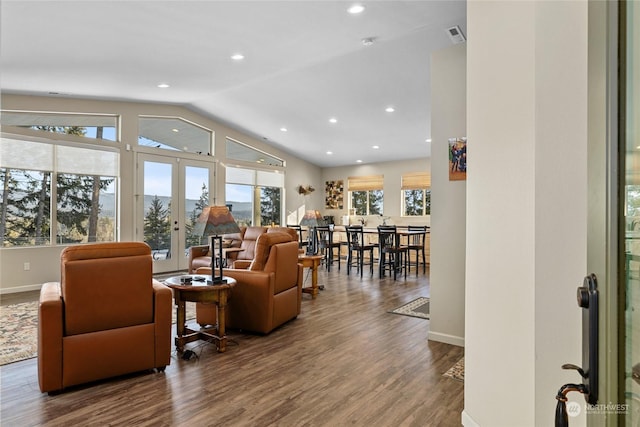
(311,220)
(214,221)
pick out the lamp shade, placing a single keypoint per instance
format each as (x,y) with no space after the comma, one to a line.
(215,220)
(311,218)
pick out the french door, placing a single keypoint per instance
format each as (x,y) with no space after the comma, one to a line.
(171,193)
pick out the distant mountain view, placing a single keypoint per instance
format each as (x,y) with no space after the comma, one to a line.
(241,210)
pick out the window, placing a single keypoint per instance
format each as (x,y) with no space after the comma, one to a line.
(366,194)
(94,126)
(255,196)
(239,151)
(416,194)
(85,193)
(175,134)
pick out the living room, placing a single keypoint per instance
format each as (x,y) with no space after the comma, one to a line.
(523,247)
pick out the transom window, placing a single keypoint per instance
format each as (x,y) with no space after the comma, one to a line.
(175,134)
(239,151)
(94,126)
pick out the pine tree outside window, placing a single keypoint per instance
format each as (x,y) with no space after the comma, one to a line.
(366,194)
(82,181)
(416,194)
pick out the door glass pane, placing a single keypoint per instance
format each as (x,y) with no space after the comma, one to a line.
(631,94)
(196,199)
(157,208)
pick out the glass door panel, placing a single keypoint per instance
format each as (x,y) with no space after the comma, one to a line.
(630,322)
(157,200)
(196,190)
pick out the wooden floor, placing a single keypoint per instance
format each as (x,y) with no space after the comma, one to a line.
(343,361)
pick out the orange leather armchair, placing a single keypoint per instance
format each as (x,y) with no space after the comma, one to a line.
(107,316)
(268,293)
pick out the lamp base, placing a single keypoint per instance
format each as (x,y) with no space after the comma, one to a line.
(217,281)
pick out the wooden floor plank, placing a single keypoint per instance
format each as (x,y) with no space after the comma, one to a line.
(344,361)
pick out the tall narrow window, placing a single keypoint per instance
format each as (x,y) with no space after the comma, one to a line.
(255,196)
(366,194)
(416,194)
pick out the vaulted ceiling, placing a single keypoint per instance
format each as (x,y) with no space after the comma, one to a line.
(304,63)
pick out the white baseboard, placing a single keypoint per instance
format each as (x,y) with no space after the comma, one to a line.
(446,338)
(467,421)
(17,289)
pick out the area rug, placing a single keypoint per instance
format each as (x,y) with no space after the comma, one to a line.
(456,371)
(419,307)
(19,330)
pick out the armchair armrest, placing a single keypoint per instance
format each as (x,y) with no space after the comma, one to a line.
(162,319)
(241,264)
(198,251)
(50,329)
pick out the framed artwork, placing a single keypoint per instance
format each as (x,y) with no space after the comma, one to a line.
(457,159)
(334,194)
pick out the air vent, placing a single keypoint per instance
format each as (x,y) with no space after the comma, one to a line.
(455,34)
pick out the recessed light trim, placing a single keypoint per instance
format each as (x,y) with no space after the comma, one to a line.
(329,152)
(237,57)
(427,140)
(175,130)
(375,147)
(163,85)
(358,161)
(389,109)
(356,9)
(333,120)
(283,129)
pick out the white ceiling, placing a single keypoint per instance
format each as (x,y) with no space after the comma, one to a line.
(304,63)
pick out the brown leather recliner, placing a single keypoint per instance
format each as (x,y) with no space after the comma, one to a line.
(107,316)
(199,256)
(268,293)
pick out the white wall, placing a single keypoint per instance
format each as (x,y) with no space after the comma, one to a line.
(392,172)
(45,261)
(526,207)
(448,212)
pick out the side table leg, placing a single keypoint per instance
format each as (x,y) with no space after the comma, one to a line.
(222,316)
(180,324)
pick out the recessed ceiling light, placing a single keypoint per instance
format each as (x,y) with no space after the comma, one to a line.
(163,85)
(389,109)
(175,130)
(237,57)
(428,140)
(355,9)
(333,120)
(375,147)
(358,161)
(368,41)
(329,152)
(283,129)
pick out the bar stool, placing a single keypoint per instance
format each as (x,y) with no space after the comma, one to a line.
(415,242)
(355,244)
(326,245)
(393,256)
